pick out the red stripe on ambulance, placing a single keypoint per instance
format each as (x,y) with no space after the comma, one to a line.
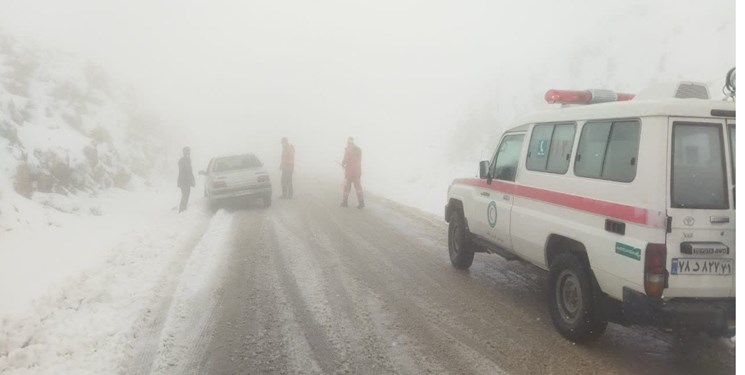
(623,212)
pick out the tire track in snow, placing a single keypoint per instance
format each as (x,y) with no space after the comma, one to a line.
(187,327)
(401,298)
(258,329)
(303,288)
(362,349)
(152,322)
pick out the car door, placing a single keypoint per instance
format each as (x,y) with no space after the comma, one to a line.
(498,204)
(701,239)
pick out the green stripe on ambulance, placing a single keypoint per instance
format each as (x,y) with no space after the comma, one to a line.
(628,251)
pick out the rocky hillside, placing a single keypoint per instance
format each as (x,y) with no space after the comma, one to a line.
(65,134)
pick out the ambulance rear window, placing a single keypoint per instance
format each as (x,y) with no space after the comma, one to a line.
(698,172)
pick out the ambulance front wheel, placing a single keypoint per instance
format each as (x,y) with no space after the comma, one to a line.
(459,244)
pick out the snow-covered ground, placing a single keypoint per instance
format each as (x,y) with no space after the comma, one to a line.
(74,293)
(85,240)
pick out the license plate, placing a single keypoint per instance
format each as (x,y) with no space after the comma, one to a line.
(713,249)
(242,192)
(691,266)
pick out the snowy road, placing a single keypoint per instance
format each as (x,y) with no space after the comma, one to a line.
(307,287)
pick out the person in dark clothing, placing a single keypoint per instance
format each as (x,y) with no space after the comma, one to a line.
(185,178)
(352,165)
(287,166)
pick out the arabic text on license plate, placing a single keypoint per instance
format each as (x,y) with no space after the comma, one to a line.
(689,266)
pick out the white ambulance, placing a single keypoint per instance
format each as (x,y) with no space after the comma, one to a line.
(628,201)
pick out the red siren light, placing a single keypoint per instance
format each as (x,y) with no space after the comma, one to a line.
(585,96)
(621,97)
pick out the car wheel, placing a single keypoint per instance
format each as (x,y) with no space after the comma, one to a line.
(267,201)
(459,244)
(574,301)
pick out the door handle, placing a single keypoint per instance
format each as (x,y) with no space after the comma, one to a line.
(719,219)
(506,197)
(485,194)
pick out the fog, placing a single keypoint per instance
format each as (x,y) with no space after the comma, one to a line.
(115,259)
(414,81)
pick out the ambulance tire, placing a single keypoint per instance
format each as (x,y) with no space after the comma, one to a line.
(574,303)
(459,244)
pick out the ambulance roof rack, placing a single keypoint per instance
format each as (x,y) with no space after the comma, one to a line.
(675,90)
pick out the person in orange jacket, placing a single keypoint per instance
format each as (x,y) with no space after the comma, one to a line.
(352,164)
(287,166)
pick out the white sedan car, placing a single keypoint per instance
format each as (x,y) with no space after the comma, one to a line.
(236,177)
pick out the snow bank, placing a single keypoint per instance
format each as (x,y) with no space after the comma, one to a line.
(76,296)
(191,312)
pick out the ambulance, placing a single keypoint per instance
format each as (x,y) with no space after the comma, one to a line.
(628,201)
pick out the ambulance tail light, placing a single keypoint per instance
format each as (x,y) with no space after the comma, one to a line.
(655,273)
(585,96)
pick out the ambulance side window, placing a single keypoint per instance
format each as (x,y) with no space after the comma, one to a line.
(608,150)
(550,148)
(508,154)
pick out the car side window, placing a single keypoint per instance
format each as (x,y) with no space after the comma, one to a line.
(608,150)
(550,148)
(507,157)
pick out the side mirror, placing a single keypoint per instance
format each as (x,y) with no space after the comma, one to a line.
(203,173)
(484,169)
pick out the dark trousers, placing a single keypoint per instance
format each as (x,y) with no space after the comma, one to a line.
(185,191)
(287,183)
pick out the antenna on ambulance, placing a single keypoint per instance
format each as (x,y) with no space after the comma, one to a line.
(729,85)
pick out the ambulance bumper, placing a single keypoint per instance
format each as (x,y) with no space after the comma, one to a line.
(713,315)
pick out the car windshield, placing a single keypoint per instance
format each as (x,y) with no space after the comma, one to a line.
(235,163)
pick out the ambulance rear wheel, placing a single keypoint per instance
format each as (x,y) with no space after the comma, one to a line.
(459,244)
(573,301)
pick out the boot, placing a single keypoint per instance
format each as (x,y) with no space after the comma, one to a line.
(361,204)
(344,203)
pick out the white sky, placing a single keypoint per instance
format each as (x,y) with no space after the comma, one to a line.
(232,74)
